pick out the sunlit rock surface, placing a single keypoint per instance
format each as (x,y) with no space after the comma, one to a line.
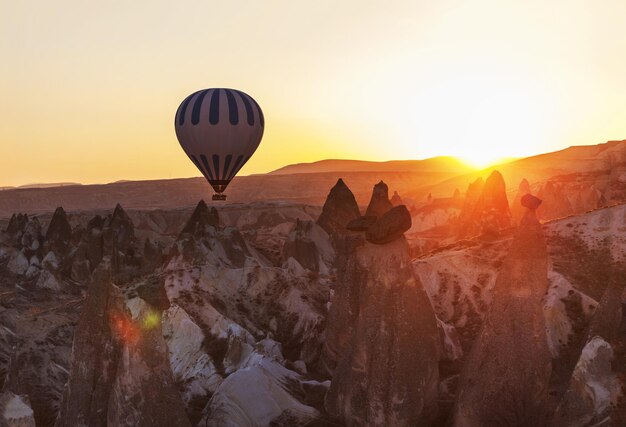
(501,384)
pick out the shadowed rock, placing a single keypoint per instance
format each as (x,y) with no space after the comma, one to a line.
(379,203)
(95,355)
(345,303)
(531,202)
(153,292)
(339,209)
(201,218)
(593,391)
(301,248)
(120,373)
(16,223)
(59,233)
(390,226)
(362,223)
(505,379)
(388,370)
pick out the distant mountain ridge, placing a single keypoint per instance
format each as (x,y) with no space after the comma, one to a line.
(433,164)
(601,168)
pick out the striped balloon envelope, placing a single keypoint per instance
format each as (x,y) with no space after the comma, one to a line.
(219,129)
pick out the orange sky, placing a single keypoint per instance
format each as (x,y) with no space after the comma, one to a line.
(89,89)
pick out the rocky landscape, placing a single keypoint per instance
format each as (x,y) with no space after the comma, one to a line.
(486,307)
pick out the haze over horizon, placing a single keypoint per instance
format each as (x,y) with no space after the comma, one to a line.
(91,91)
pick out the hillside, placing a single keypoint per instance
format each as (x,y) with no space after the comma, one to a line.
(440,164)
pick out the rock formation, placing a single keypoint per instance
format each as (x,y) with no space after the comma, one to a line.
(486,208)
(95,355)
(594,388)
(505,379)
(390,226)
(15,411)
(120,374)
(59,233)
(556,203)
(379,203)
(201,218)
(339,209)
(362,223)
(308,244)
(393,351)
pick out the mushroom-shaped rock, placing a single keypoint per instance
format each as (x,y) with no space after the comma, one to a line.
(362,223)
(390,226)
(379,203)
(339,209)
(531,202)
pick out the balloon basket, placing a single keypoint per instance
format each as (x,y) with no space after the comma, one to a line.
(219,197)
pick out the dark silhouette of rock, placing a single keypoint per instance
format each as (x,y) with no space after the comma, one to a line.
(362,223)
(301,248)
(456,194)
(152,256)
(152,290)
(396,200)
(531,202)
(390,226)
(505,378)
(118,241)
(118,230)
(339,209)
(201,218)
(379,203)
(16,224)
(387,374)
(59,233)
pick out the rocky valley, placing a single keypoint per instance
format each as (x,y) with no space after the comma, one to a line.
(500,303)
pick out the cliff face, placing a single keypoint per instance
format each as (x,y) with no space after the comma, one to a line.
(505,379)
(393,351)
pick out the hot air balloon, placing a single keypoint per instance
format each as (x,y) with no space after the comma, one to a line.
(219,129)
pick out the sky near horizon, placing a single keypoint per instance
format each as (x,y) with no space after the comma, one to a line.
(89,89)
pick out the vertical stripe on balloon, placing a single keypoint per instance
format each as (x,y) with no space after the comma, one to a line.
(261,118)
(227,161)
(197,106)
(216,165)
(233,111)
(214,110)
(206,165)
(246,103)
(183,109)
(235,168)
